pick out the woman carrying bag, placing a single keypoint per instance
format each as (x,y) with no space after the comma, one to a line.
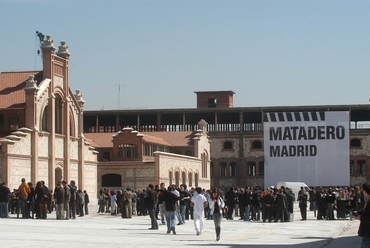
(216,204)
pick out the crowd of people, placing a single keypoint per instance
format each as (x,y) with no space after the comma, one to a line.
(173,206)
(38,201)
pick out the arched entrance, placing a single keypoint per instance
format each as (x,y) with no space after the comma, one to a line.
(58,175)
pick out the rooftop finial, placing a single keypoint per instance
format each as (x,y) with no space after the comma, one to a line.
(63,50)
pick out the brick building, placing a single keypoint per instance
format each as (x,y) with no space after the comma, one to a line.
(41,126)
(132,159)
(236,133)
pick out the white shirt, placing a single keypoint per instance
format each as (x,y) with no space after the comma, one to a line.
(198,201)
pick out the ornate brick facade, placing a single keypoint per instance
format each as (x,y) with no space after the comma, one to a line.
(45,140)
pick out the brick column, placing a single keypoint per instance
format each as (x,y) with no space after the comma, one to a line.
(31,122)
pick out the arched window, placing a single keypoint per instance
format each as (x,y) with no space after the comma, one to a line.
(261,168)
(212,170)
(251,168)
(361,166)
(44,120)
(257,144)
(233,169)
(177,178)
(72,129)
(111,180)
(171,177)
(190,179)
(204,158)
(58,175)
(58,114)
(223,169)
(183,178)
(228,145)
(196,179)
(351,162)
(355,143)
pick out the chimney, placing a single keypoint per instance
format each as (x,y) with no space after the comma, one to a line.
(47,56)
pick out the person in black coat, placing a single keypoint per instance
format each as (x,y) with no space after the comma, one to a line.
(230,198)
(267,205)
(364,216)
(319,203)
(280,205)
(302,199)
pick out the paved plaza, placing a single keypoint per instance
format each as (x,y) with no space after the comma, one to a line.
(107,231)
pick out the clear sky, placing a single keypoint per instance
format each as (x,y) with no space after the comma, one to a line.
(269,52)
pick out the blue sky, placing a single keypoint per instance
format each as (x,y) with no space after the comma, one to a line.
(269,52)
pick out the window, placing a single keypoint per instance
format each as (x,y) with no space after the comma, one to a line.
(212,102)
(233,169)
(171,177)
(190,179)
(228,145)
(361,166)
(149,148)
(251,168)
(211,165)
(223,169)
(183,177)
(355,143)
(58,114)
(196,179)
(106,156)
(257,144)
(261,168)
(177,178)
(13,122)
(351,167)
(188,153)
(111,180)
(1,122)
(127,151)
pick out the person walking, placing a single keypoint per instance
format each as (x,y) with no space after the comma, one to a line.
(170,204)
(150,203)
(198,202)
(364,216)
(216,204)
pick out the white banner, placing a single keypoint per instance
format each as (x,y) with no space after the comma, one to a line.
(310,147)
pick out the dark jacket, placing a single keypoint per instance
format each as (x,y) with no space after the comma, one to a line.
(364,228)
(59,195)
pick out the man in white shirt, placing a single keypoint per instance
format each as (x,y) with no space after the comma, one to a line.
(198,202)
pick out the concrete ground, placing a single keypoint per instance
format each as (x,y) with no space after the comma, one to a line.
(107,231)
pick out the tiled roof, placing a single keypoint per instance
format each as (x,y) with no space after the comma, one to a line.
(162,138)
(12,94)
(174,138)
(100,139)
(155,140)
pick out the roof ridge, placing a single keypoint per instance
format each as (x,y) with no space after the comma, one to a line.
(3,72)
